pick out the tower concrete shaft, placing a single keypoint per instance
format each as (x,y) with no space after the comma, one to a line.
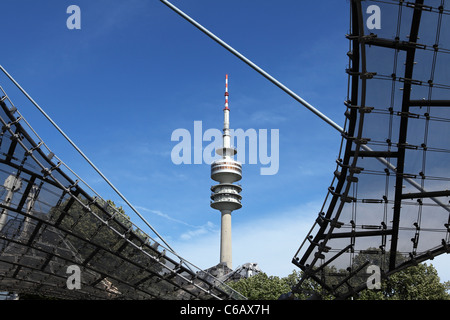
(225,239)
(226,196)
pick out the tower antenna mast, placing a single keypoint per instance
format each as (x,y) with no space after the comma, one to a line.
(225,195)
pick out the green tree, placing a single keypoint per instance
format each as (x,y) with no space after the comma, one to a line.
(264,287)
(420,282)
(414,283)
(261,287)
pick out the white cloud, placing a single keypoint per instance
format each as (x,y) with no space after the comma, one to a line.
(270,241)
(267,117)
(164,215)
(208,228)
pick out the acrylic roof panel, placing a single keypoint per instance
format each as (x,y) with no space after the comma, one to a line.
(388,202)
(49,225)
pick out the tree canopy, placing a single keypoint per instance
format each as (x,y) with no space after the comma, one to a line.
(420,282)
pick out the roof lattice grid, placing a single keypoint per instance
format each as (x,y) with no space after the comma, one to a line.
(49,223)
(388,201)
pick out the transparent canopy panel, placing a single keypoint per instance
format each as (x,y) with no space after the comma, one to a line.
(387,207)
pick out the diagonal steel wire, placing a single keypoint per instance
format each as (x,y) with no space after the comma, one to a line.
(84,156)
(290,93)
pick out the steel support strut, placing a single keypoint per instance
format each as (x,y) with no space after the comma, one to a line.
(403,132)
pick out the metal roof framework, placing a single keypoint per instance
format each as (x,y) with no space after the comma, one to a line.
(52,223)
(387,205)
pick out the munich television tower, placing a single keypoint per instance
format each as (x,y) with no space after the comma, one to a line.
(225,195)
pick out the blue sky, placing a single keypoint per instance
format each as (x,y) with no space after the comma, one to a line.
(136,71)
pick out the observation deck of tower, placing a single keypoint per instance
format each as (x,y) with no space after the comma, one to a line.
(226,196)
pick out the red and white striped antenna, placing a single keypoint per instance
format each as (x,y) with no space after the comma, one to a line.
(226,92)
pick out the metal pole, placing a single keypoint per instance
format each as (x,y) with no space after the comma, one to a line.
(288,91)
(254,66)
(84,156)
